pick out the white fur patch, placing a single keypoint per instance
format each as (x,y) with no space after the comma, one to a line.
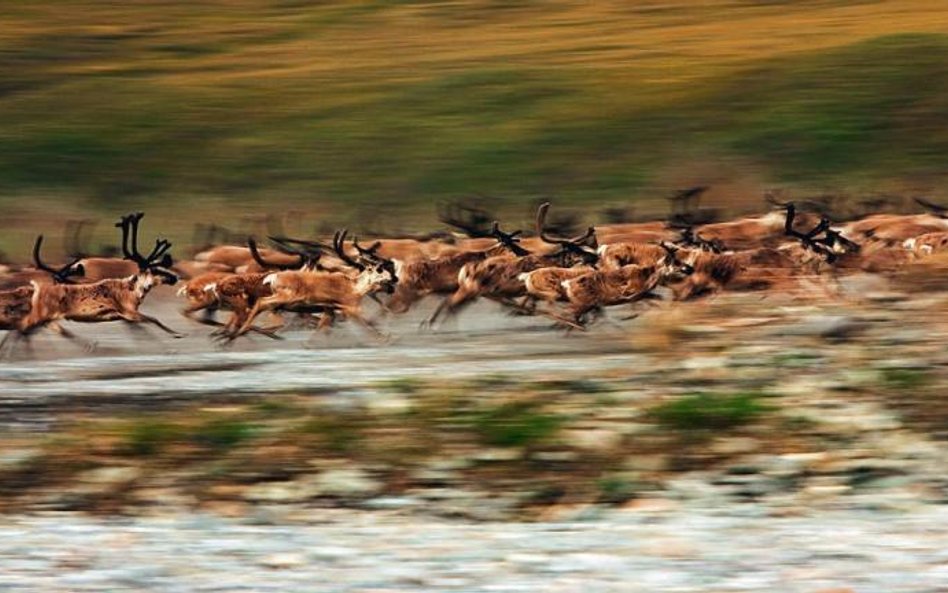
(527,278)
(775,218)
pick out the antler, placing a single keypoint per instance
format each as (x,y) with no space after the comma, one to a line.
(285,242)
(809,238)
(833,237)
(937,209)
(158,257)
(338,244)
(689,193)
(61,275)
(509,240)
(477,219)
(771,199)
(369,253)
(541,223)
(255,253)
(123,224)
(72,237)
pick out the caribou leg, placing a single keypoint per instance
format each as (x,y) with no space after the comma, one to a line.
(8,344)
(355,312)
(62,331)
(139,317)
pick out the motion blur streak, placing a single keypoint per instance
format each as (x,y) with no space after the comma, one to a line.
(706,391)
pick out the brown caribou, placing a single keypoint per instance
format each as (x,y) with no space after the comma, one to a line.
(603,288)
(106,300)
(331,292)
(499,278)
(419,278)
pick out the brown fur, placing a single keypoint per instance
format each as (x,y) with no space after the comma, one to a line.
(546,284)
(755,231)
(335,291)
(712,272)
(634,232)
(893,228)
(239,293)
(14,306)
(613,256)
(198,297)
(597,289)
(106,300)
(237,256)
(420,278)
(928,243)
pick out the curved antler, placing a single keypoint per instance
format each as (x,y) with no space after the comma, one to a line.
(541,224)
(771,199)
(338,244)
(452,214)
(158,257)
(255,253)
(370,252)
(285,242)
(509,240)
(61,275)
(72,237)
(936,209)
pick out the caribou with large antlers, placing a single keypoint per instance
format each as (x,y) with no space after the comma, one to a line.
(16,303)
(106,300)
(417,279)
(331,292)
(499,278)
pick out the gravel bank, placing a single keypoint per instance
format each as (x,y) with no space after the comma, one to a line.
(646,548)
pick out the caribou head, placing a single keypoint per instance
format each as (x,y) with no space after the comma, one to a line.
(375,272)
(672,268)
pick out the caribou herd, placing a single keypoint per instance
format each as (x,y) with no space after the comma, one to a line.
(568,279)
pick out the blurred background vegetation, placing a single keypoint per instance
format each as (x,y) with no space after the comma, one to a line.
(365,111)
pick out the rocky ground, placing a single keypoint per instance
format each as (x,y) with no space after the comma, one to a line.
(652,546)
(740,444)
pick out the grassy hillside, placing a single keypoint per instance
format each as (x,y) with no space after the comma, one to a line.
(341,104)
